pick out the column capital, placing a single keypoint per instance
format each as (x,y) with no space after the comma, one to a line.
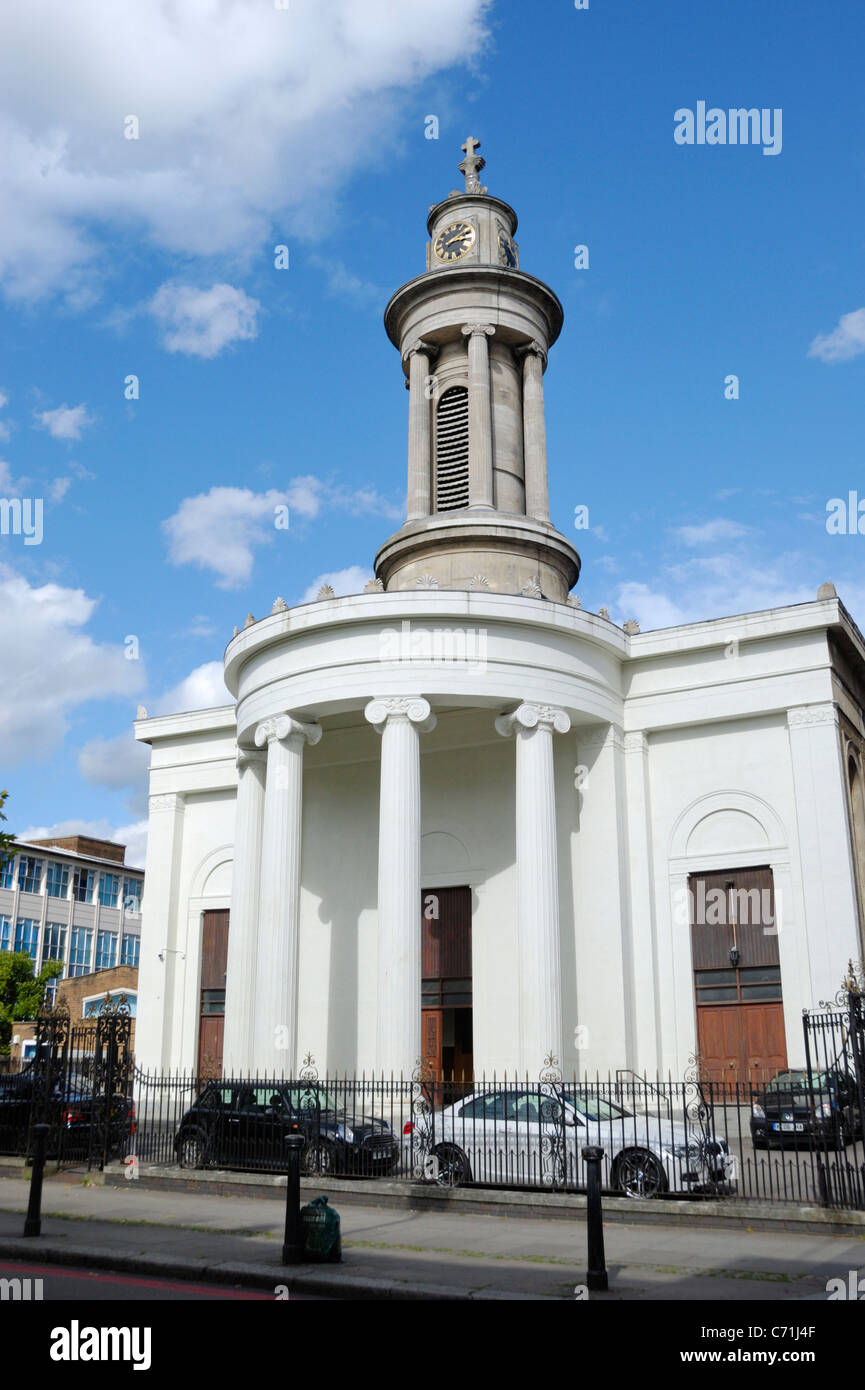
(532,349)
(167,801)
(247,757)
(470,329)
(282,727)
(529,716)
(413,708)
(636,741)
(805,716)
(420,345)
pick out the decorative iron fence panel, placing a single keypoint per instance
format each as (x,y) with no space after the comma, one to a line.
(688,1140)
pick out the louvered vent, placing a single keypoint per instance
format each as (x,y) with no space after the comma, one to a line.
(452,450)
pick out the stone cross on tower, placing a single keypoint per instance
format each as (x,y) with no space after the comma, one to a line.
(472,165)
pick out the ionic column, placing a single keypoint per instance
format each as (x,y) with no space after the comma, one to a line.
(480,415)
(535,432)
(240,979)
(275,1023)
(400,722)
(538,954)
(419,354)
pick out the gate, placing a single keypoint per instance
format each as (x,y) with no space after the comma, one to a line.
(835,1057)
(82,1084)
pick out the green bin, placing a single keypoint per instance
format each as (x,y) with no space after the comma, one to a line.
(319,1224)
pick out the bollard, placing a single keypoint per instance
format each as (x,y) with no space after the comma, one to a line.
(596,1274)
(33,1222)
(292,1246)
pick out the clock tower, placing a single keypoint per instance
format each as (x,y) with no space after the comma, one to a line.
(473,333)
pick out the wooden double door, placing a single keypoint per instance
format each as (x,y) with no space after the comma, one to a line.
(737,975)
(446,988)
(211,1015)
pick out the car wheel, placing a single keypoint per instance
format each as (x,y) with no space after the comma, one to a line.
(451,1167)
(319,1157)
(192,1149)
(638,1173)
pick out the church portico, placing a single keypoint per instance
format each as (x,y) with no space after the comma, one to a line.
(457,817)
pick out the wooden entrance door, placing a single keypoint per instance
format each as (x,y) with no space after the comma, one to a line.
(737,976)
(446,990)
(211,1021)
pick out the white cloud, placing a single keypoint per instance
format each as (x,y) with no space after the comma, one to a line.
(115,763)
(59,489)
(347,581)
(51,666)
(133,836)
(203,322)
(716,586)
(203,688)
(846,340)
(251,118)
(710,532)
(220,530)
(66,422)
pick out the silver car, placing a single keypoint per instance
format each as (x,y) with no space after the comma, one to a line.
(534,1137)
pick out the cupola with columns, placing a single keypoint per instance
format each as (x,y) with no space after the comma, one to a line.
(473,333)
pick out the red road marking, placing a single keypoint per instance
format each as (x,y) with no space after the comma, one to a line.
(171,1286)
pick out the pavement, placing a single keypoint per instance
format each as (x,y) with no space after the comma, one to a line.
(402,1254)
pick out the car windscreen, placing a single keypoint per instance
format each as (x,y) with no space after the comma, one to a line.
(595,1107)
(310,1098)
(790,1081)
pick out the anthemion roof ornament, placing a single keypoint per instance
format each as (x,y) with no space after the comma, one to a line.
(279,606)
(249,620)
(426,581)
(373,586)
(326,591)
(479,581)
(604,613)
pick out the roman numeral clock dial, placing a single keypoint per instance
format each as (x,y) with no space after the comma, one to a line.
(454,241)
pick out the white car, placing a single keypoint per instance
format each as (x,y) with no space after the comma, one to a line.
(533,1136)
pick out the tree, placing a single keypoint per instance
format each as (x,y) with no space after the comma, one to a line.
(6,840)
(21,992)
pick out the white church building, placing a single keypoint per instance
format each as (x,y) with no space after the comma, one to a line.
(458,818)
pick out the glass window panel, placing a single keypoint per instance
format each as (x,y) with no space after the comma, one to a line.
(54,945)
(106,950)
(29,873)
(109,889)
(132,895)
(57,880)
(129,950)
(716,977)
(760,972)
(718,996)
(27,936)
(79,951)
(5,934)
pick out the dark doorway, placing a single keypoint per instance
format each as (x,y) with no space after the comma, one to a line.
(446,989)
(211,1022)
(737,975)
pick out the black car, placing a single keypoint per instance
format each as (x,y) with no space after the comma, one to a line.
(245,1125)
(74,1111)
(795,1108)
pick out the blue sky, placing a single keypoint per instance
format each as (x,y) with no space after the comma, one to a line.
(259,127)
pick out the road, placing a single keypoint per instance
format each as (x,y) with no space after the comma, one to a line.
(61,1284)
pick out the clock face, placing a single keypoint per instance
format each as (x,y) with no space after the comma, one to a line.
(454,241)
(507,253)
